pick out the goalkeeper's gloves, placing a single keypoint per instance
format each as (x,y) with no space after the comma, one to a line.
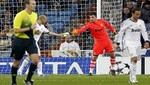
(66,34)
(74,32)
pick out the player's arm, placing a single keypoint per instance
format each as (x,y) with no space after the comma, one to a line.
(17,25)
(51,33)
(144,32)
(82,29)
(111,28)
(121,33)
(55,34)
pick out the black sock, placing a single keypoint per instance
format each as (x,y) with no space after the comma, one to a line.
(14,74)
(31,71)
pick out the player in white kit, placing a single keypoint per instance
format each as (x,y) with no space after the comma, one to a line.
(129,38)
(41,29)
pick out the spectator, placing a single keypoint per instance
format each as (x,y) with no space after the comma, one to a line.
(4,6)
(126,13)
(69,48)
(5,42)
(7,19)
(146,12)
(146,45)
(18,6)
(130,5)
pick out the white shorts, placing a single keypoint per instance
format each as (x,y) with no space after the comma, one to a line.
(39,53)
(134,51)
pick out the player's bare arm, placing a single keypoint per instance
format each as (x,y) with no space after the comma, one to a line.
(55,34)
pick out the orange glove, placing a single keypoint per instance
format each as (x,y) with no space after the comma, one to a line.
(74,32)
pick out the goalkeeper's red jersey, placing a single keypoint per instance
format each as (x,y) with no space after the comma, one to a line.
(98,30)
(100,35)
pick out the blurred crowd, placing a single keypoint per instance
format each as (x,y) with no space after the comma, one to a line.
(76,14)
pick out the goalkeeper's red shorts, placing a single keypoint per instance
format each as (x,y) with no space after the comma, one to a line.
(100,47)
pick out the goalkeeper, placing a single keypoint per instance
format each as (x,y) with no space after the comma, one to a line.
(41,29)
(97,28)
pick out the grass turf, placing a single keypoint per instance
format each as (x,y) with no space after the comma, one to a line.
(78,80)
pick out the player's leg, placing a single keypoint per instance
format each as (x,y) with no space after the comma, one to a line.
(109,49)
(134,57)
(96,51)
(113,62)
(92,64)
(14,69)
(17,54)
(33,53)
(33,66)
(39,65)
(39,68)
(24,63)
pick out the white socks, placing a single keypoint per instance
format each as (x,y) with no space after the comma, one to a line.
(92,65)
(39,68)
(24,63)
(133,71)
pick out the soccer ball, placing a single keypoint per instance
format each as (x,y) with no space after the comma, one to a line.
(66,34)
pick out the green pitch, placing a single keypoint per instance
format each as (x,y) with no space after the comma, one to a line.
(78,80)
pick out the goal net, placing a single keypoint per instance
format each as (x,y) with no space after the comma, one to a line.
(111,10)
(63,16)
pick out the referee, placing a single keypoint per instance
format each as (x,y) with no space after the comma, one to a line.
(24,24)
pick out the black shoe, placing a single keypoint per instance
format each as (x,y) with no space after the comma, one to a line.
(28,82)
(90,74)
(113,72)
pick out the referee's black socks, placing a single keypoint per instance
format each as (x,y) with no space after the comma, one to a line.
(14,74)
(31,71)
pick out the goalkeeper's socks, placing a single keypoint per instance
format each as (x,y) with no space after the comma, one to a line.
(31,71)
(92,65)
(113,61)
(39,68)
(14,74)
(24,63)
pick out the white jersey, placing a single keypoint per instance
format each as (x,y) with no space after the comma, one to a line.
(130,33)
(42,29)
(66,47)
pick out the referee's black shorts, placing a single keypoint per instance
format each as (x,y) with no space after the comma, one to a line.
(19,46)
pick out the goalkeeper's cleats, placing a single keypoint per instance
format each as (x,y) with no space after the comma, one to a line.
(112,71)
(90,74)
